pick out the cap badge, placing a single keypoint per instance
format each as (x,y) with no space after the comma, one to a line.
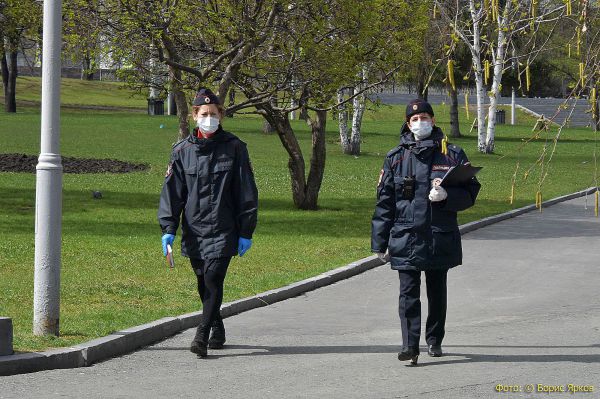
(415,106)
(206,100)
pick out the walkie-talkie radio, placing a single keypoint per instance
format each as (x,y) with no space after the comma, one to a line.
(408,188)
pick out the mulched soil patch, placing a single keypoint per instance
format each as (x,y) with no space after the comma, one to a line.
(27,163)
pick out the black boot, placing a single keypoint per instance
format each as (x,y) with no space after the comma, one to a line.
(217,336)
(200,341)
(435,350)
(409,353)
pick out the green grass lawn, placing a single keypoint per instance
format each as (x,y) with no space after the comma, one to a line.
(76,92)
(113,272)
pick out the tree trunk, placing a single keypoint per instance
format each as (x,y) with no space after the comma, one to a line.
(296,166)
(422,91)
(495,90)
(343,122)
(305,191)
(180,102)
(358,105)
(10,87)
(267,128)
(454,122)
(3,65)
(231,99)
(317,161)
(475,49)
(86,68)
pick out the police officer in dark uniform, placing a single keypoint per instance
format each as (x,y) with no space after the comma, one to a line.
(210,188)
(415,223)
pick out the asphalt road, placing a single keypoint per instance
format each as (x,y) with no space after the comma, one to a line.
(576,110)
(524,310)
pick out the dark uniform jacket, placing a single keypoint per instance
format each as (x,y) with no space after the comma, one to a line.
(210,187)
(420,234)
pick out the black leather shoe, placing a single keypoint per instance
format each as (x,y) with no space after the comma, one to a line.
(217,335)
(409,353)
(434,350)
(199,343)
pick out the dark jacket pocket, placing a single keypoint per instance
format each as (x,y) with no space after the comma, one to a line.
(401,242)
(446,247)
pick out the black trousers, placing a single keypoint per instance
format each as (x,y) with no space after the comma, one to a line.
(211,276)
(409,307)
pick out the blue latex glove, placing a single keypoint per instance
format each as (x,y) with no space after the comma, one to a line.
(167,239)
(244,245)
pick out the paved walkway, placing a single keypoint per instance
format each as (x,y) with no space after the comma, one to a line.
(577,110)
(523,309)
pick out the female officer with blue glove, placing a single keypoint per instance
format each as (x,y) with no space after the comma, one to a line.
(209,186)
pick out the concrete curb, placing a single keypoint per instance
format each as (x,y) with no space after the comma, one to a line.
(130,339)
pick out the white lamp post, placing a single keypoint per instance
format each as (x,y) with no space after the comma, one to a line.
(48,201)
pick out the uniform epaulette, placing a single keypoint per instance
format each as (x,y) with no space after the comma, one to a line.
(394,151)
(178,142)
(454,148)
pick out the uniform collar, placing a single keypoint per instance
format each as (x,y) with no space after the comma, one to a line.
(220,135)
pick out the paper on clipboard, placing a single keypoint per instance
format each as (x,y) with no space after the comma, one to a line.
(459,175)
(170,260)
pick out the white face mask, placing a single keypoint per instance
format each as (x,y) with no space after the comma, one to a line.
(421,129)
(208,124)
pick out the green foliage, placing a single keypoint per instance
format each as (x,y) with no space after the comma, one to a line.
(19,19)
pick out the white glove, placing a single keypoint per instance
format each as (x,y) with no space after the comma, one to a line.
(384,257)
(437,193)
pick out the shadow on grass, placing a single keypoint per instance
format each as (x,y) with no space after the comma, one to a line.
(337,217)
(22,200)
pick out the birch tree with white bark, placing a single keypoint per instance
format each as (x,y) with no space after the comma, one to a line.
(488,29)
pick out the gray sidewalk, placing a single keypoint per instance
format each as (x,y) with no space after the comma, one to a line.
(523,309)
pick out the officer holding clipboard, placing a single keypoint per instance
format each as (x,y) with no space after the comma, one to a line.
(415,226)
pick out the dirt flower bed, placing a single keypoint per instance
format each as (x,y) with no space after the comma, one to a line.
(26,163)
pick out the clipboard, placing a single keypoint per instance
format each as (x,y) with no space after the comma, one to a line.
(459,175)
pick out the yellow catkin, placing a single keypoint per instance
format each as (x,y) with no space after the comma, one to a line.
(533,13)
(538,200)
(581,74)
(578,41)
(467,104)
(569,50)
(596,204)
(486,71)
(568,9)
(512,193)
(496,6)
(527,77)
(434,10)
(451,74)
(593,102)
(445,145)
